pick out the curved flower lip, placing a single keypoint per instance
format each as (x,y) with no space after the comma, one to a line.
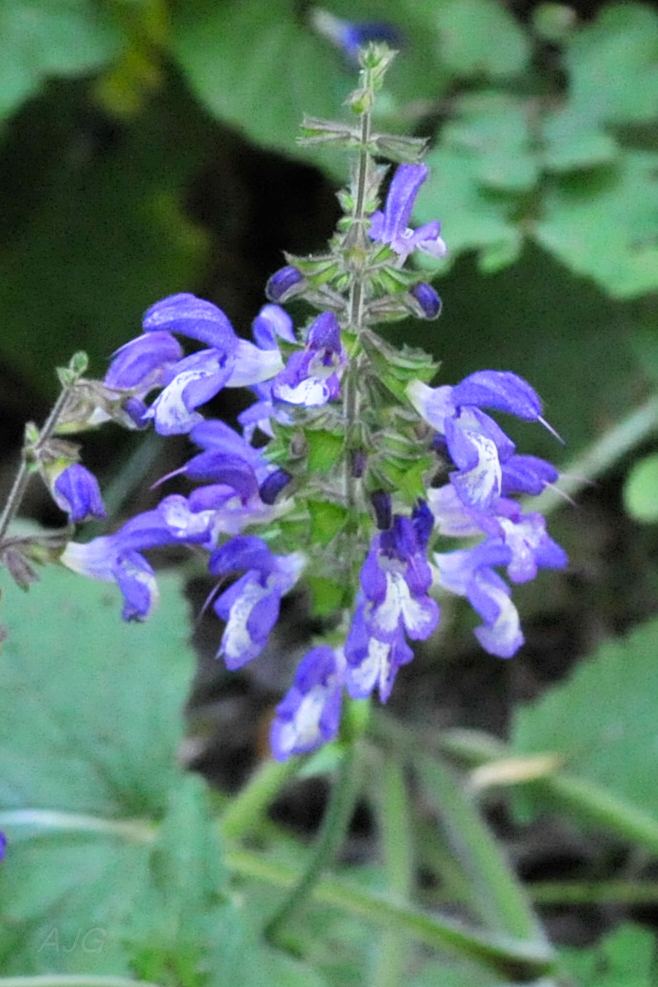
(272,321)
(193,381)
(194,317)
(143,361)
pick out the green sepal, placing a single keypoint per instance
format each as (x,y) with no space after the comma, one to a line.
(396,367)
(316,131)
(324,450)
(327,596)
(327,520)
(398,148)
(406,478)
(316,269)
(391,280)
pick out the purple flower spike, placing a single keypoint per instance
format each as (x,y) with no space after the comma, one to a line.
(284,283)
(391,225)
(107,558)
(194,317)
(3,845)
(77,492)
(309,715)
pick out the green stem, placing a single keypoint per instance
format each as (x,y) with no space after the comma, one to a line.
(590,801)
(510,957)
(398,864)
(594,893)
(72,980)
(332,833)
(56,821)
(495,890)
(246,809)
(24,473)
(600,456)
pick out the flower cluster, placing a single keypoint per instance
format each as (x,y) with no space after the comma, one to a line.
(335,471)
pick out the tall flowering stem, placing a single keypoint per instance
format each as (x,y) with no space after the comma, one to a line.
(353,473)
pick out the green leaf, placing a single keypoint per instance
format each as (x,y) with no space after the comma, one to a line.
(229,52)
(39,39)
(625,958)
(114,864)
(641,490)
(570,144)
(327,596)
(603,224)
(90,701)
(492,130)
(613,65)
(478,37)
(602,720)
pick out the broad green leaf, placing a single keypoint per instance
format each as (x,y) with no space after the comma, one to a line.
(39,39)
(602,721)
(604,224)
(258,67)
(492,129)
(570,144)
(641,490)
(613,65)
(114,862)
(92,229)
(625,958)
(480,37)
(90,705)
(261,67)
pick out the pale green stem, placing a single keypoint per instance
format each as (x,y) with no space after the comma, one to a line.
(396,839)
(505,955)
(247,808)
(56,821)
(24,473)
(72,980)
(330,838)
(499,895)
(590,800)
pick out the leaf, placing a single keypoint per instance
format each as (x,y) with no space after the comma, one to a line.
(478,37)
(604,224)
(625,958)
(327,520)
(113,863)
(232,53)
(493,130)
(613,65)
(39,39)
(602,721)
(641,490)
(261,67)
(324,449)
